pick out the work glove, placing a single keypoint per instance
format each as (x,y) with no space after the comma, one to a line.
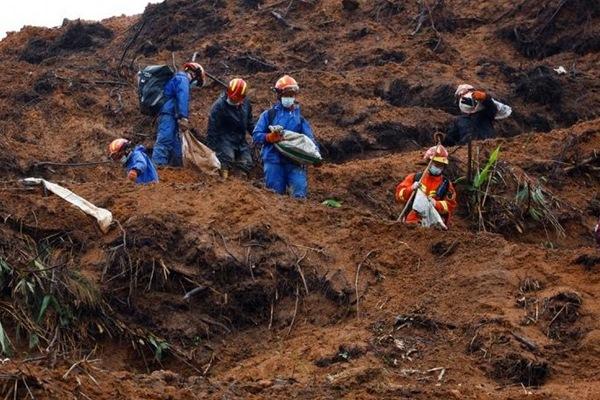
(480,95)
(416,185)
(276,128)
(273,137)
(132,175)
(184,124)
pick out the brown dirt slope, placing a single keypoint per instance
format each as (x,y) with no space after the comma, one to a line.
(291,299)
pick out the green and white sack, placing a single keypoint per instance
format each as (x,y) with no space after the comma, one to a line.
(299,148)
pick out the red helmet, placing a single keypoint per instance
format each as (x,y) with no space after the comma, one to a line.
(236,91)
(438,154)
(197,72)
(286,83)
(118,146)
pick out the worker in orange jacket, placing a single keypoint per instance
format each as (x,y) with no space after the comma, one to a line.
(433,183)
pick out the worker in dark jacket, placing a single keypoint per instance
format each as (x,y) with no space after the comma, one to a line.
(229,120)
(479,111)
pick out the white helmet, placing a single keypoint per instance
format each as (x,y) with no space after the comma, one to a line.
(463,89)
(468,104)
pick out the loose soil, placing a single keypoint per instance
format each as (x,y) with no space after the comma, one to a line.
(221,289)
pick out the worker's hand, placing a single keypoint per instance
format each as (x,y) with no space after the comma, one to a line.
(273,137)
(184,124)
(416,185)
(132,175)
(480,95)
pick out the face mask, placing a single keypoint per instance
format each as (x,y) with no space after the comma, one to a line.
(287,102)
(124,159)
(231,103)
(469,105)
(194,83)
(435,171)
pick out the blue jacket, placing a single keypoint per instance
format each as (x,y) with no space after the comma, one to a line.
(291,120)
(177,92)
(139,160)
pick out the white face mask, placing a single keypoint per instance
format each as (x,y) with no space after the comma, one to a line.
(435,171)
(124,159)
(469,105)
(231,103)
(287,102)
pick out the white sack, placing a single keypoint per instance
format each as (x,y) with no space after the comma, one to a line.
(103,216)
(429,215)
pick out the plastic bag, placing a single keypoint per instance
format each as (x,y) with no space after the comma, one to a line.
(299,148)
(199,155)
(429,215)
(504,111)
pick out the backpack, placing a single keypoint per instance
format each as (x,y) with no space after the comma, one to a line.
(441,190)
(151,83)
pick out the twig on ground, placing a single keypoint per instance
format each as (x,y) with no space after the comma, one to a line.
(131,42)
(295,311)
(356,281)
(210,362)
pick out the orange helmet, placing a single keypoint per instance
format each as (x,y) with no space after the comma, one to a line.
(197,72)
(236,91)
(438,154)
(117,146)
(286,83)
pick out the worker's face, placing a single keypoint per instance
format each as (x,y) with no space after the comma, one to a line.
(288,98)
(437,168)
(236,100)
(119,156)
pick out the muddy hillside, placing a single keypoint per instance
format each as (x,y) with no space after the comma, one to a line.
(205,288)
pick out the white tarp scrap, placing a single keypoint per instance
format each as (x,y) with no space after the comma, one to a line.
(429,215)
(198,154)
(103,216)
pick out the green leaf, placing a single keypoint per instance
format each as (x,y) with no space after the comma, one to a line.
(332,203)
(482,176)
(34,340)
(43,308)
(4,342)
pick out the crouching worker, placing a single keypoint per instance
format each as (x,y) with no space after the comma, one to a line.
(137,164)
(229,120)
(280,171)
(433,184)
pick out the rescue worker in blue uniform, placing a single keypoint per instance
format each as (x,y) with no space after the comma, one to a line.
(174,115)
(229,121)
(140,168)
(281,172)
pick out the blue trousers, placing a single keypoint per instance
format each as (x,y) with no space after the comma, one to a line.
(167,149)
(278,177)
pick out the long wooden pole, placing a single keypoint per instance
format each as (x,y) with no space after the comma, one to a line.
(408,204)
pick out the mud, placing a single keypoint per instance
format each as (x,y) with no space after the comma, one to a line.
(210,288)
